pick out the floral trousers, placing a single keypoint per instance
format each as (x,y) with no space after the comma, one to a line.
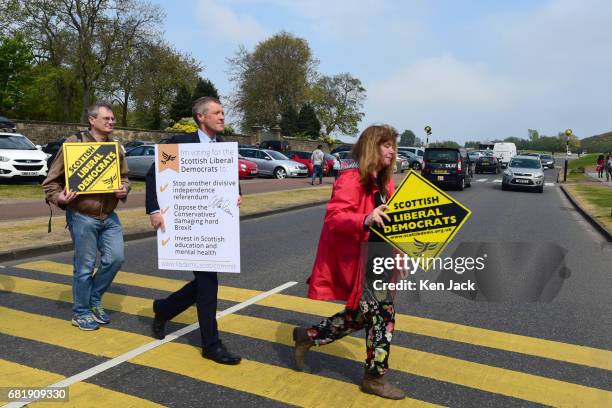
(378,320)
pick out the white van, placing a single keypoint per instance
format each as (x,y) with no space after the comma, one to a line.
(504,152)
(418,151)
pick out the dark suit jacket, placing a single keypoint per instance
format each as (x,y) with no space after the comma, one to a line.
(151,197)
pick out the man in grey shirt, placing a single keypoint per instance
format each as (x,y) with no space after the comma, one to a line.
(317,158)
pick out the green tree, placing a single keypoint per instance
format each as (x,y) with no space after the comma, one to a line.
(15,68)
(308,122)
(289,121)
(337,101)
(204,87)
(273,77)
(572,142)
(471,144)
(162,72)
(407,138)
(181,106)
(84,35)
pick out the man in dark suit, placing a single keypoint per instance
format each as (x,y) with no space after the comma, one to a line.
(209,116)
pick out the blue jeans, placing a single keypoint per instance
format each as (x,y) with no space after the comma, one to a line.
(90,235)
(317,171)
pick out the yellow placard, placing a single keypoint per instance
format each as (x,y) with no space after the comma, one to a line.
(92,167)
(423,218)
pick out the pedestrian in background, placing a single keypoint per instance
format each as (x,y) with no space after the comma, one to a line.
(609,167)
(600,166)
(336,165)
(317,158)
(343,266)
(94,226)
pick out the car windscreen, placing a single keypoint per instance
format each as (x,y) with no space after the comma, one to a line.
(525,163)
(276,155)
(441,156)
(545,157)
(11,142)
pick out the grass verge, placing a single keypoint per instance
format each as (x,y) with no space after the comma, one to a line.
(11,192)
(29,233)
(596,199)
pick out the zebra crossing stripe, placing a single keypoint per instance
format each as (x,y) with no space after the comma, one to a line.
(515,343)
(474,375)
(266,380)
(80,394)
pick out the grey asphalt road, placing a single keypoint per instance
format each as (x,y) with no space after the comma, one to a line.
(281,248)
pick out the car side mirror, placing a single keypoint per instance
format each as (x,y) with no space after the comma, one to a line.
(268,158)
(39,147)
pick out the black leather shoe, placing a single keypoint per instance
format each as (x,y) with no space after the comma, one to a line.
(219,354)
(159,324)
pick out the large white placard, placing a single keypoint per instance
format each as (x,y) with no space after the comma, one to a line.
(197,192)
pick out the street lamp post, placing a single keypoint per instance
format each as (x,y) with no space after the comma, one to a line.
(428,132)
(568,133)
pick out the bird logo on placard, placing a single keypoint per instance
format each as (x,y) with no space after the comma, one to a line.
(109,181)
(167,157)
(424,247)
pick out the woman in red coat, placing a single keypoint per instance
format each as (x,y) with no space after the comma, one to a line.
(343,264)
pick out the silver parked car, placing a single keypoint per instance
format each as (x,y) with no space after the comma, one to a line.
(139,160)
(273,163)
(525,172)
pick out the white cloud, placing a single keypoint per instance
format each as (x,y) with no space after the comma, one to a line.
(222,23)
(547,68)
(444,92)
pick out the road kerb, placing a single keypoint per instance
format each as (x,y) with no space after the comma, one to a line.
(594,222)
(66,245)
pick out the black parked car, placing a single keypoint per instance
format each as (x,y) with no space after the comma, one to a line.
(7,124)
(488,164)
(447,166)
(52,148)
(342,148)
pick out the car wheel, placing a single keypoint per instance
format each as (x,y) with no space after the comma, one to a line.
(280,173)
(540,189)
(504,186)
(416,166)
(461,184)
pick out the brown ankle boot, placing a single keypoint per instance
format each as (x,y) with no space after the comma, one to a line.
(378,385)
(303,342)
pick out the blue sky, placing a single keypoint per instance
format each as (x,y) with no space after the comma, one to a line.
(472,70)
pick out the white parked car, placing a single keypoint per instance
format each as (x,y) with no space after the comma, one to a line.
(19,157)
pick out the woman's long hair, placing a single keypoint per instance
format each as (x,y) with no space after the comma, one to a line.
(366,152)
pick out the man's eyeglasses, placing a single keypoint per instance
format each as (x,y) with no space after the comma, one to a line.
(109,119)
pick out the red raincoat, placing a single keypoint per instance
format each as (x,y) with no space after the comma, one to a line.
(338,273)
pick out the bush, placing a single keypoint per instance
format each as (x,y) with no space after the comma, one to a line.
(185,125)
(228,131)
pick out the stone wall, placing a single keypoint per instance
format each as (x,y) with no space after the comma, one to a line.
(43,132)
